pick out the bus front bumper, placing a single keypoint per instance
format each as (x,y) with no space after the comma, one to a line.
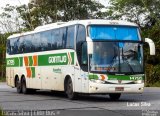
(115,88)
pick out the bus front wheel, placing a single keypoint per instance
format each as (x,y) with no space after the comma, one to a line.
(69,89)
(114,96)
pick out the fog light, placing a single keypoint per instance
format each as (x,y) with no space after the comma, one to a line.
(141,88)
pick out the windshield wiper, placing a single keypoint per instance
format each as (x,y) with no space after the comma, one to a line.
(129,66)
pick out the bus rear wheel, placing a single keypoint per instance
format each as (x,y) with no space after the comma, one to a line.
(18,86)
(69,89)
(114,96)
(24,88)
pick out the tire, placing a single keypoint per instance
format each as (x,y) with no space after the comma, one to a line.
(24,87)
(25,90)
(114,96)
(18,86)
(69,90)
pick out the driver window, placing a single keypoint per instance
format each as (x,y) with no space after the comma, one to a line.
(84,54)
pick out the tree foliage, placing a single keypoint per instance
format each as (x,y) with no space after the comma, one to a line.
(3,53)
(49,11)
(9,19)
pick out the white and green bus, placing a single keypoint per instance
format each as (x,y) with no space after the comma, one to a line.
(84,56)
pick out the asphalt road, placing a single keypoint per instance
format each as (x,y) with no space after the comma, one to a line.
(47,103)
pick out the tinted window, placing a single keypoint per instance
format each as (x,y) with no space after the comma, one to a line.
(81,36)
(43,41)
(8,47)
(28,46)
(57,36)
(46,40)
(62,37)
(37,42)
(14,46)
(70,37)
(21,46)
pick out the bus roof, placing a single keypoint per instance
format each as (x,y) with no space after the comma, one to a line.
(83,22)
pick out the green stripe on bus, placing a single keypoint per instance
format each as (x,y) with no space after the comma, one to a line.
(14,62)
(93,76)
(43,60)
(30,61)
(119,77)
(33,71)
(72,56)
(125,77)
(21,61)
(54,59)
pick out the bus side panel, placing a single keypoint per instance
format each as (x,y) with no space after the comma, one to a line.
(8,76)
(78,79)
(47,77)
(58,80)
(35,81)
(12,77)
(85,82)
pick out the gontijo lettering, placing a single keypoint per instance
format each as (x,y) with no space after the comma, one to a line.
(57,59)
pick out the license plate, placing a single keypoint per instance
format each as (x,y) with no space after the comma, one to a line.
(119,89)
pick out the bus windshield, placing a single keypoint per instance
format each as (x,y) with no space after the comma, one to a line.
(116,57)
(109,32)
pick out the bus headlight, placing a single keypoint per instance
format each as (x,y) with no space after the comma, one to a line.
(139,81)
(97,81)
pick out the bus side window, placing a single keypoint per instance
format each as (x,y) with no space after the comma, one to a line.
(8,47)
(84,54)
(21,45)
(14,47)
(60,37)
(80,38)
(28,44)
(53,39)
(49,40)
(36,42)
(44,40)
(70,37)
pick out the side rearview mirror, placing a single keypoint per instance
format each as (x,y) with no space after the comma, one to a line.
(151,46)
